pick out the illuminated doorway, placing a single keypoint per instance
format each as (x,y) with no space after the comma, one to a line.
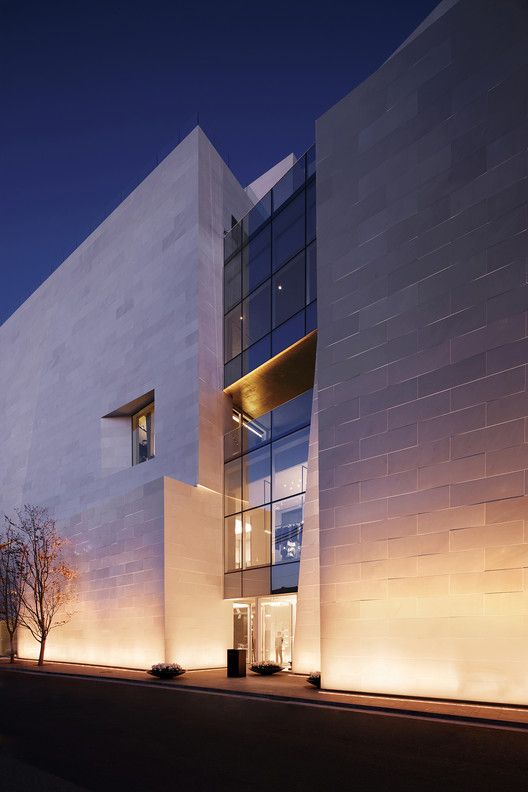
(244,628)
(265,628)
(277,629)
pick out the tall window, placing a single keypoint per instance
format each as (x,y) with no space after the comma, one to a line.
(143,435)
(264,486)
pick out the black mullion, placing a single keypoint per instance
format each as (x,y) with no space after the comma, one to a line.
(305,238)
(272,209)
(273,214)
(271,496)
(288,260)
(261,229)
(242,554)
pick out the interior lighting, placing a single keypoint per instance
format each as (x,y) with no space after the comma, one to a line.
(249,425)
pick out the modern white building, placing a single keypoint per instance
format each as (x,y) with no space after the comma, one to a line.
(292,418)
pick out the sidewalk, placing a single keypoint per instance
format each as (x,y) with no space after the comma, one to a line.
(291,687)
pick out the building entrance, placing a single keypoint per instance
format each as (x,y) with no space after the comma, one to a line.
(244,628)
(265,628)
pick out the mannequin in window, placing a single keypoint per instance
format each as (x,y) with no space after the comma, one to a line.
(279,642)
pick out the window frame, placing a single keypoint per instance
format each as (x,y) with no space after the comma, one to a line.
(148,411)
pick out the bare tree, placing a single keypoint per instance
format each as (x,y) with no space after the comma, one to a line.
(13,568)
(48,586)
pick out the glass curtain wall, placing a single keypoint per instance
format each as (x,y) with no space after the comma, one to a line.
(269,274)
(264,486)
(270,302)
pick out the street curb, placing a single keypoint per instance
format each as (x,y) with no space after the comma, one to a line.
(281,699)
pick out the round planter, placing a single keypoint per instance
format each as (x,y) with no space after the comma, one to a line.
(165,674)
(266,671)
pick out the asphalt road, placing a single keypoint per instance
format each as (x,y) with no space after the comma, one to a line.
(102,735)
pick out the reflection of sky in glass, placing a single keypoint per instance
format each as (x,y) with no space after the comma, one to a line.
(256,484)
(290,457)
(284,577)
(293,414)
(272,469)
(288,518)
(271,238)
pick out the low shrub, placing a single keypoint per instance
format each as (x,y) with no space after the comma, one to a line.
(166,670)
(315,679)
(266,668)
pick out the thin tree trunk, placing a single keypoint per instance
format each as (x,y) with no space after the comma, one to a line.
(41,653)
(11,648)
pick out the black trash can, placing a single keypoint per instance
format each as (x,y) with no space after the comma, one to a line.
(236,662)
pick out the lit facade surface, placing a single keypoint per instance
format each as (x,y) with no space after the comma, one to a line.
(292,418)
(422,252)
(133,317)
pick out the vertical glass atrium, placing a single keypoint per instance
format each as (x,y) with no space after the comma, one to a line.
(269,309)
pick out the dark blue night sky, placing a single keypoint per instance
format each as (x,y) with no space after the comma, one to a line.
(95,92)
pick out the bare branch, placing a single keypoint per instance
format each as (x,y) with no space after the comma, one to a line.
(48,580)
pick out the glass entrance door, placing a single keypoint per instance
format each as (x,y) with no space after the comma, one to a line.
(240,626)
(265,628)
(244,628)
(277,628)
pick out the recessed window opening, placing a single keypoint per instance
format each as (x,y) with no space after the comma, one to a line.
(143,435)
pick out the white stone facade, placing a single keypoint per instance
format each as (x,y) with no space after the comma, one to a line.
(422,354)
(414,567)
(136,308)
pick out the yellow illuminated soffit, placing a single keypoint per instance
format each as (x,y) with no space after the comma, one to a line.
(278,380)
